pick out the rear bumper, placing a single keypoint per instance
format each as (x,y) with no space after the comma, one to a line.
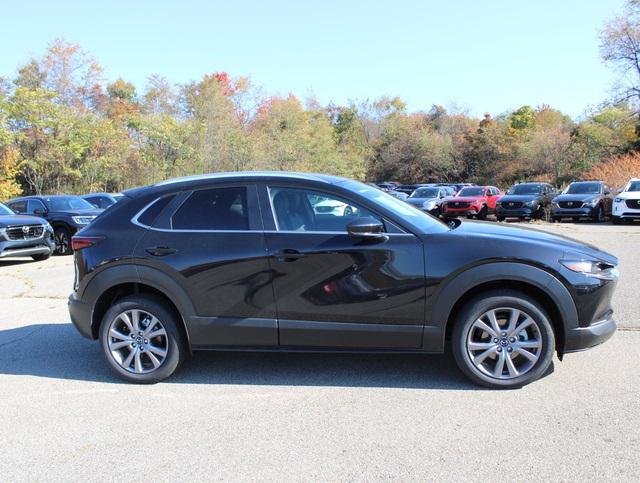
(582,338)
(80,314)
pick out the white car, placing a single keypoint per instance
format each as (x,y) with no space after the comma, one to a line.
(626,205)
(334,207)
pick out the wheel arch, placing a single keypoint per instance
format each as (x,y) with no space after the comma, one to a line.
(539,284)
(111,284)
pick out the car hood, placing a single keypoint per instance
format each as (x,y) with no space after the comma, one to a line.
(465,199)
(539,237)
(87,212)
(576,197)
(420,201)
(522,198)
(14,220)
(629,195)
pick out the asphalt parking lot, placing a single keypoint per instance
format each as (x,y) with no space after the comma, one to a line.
(63,415)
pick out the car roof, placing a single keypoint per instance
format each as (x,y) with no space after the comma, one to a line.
(254,175)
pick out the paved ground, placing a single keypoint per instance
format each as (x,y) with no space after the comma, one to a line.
(339,417)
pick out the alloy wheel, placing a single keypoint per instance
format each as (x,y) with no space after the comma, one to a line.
(61,241)
(137,341)
(504,343)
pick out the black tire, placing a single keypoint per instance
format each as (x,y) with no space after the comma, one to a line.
(176,343)
(541,213)
(41,258)
(62,237)
(555,219)
(482,214)
(500,218)
(348,211)
(599,216)
(495,299)
(616,220)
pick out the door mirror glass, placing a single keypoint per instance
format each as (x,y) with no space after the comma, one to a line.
(366,227)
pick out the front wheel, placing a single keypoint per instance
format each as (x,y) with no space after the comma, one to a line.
(503,339)
(500,218)
(599,215)
(41,258)
(482,215)
(616,220)
(62,237)
(141,339)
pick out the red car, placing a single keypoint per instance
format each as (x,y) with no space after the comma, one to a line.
(472,201)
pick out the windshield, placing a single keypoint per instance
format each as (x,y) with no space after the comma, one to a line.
(64,203)
(475,191)
(4,210)
(525,189)
(583,189)
(425,193)
(634,186)
(401,209)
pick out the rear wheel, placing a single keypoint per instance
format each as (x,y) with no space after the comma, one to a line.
(503,339)
(141,340)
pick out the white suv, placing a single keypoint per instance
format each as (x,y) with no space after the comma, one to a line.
(626,205)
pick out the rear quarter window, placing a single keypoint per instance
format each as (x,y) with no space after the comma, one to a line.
(148,217)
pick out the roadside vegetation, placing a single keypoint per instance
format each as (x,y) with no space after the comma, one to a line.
(63,128)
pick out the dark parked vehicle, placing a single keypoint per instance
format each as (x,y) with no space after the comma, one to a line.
(24,236)
(430,198)
(583,199)
(410,188)
(243,261)
(66,214)
(526,201)
(102,200)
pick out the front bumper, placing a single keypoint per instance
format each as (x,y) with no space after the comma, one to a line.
(515,212)
(621,210)
(451,213)
(80,313)
(582,338)
(26,248)
(582,212)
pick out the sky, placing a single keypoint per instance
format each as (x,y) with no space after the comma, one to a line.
(478,56)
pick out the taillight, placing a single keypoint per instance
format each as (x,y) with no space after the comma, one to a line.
(80,242)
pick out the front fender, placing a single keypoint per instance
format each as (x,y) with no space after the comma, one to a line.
(442,303)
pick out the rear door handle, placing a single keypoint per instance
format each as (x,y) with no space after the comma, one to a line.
(288,255)
(160,251)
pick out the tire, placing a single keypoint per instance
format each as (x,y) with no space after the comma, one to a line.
(142,369)
(348,211)
(62,237)
(616,220)
(504,303)
(482,214)
(500,218)
(555,219)
(541,213)
(41,258)
(599,216)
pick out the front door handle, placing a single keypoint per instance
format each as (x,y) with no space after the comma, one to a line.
(288,255)
(160,251)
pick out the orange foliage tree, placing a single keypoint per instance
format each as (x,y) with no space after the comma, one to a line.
(617,171)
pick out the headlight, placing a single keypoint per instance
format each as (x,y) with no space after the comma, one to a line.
(429,205)
(529,203)
(592,202)
(618,200)
(601,270)
(83,220)
(48,227)
(2,233)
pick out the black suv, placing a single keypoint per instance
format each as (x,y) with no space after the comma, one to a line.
(66,214)
(526,201)
(583,199)
(243,261)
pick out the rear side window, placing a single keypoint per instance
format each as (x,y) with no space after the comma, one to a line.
(151,213)
(213,209)
(18,206)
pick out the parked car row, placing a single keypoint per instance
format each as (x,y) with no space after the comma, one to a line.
(38,226)
(592,200)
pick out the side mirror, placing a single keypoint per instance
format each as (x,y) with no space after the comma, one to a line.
(366,227)
(607,192)
(39,212)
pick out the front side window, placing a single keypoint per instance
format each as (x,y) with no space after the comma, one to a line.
(306,210)
(213,209)
(19,207)
(35,205)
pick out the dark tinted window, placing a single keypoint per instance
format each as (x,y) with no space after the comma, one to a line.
(583,188)
(213,209)
(35,205)
(18,206)
(150,214)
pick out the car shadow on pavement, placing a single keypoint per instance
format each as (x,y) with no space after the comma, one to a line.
(57,351)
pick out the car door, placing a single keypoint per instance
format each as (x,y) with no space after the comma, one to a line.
(210,240)
(335,290)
